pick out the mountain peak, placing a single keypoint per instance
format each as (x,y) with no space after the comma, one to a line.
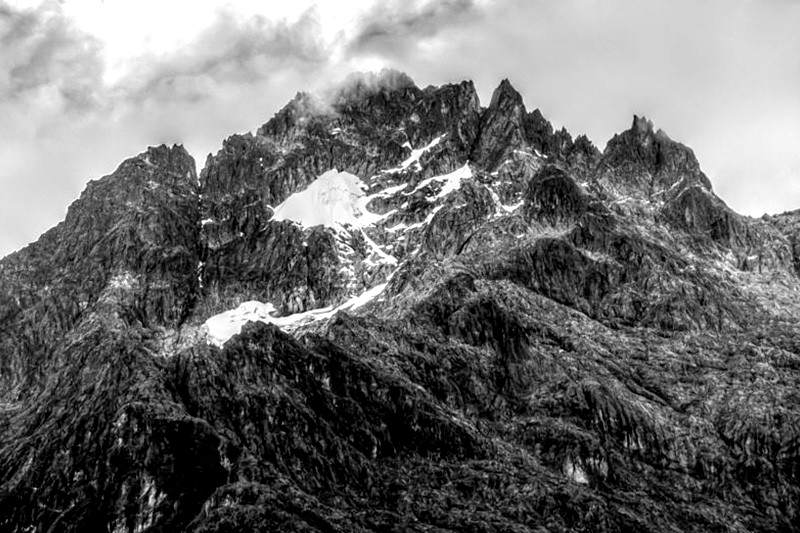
(166,160)
(642,125)
(502,125)
(505,94)
(360,85)
(303,106)
(639,159)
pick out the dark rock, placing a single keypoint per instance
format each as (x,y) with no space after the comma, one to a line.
(136,231)
(539,133)
(641,161)
(582,155)
(502,127)
(554,197)
(296,269)
(696,211)
(451,228)
(789,225)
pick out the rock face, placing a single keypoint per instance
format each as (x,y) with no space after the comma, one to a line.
(133,238)
(644,162)
(494,327)
(507,127)
(789,225)
(554,197)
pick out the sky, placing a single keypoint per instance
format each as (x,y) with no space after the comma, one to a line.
(85,84)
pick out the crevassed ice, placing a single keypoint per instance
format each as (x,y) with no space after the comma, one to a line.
(220,328)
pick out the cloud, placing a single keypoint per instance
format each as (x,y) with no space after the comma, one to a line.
(396,27)
(398,20)
(42,51)
(359,84)
(231,50)
(63,123)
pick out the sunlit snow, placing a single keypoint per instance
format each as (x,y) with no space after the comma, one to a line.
(384,257)
(413,159)
(452,181)
(220,328)
(575,472)
(503,207)
(334,199)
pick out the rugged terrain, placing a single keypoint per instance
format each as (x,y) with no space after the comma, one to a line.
(393,309)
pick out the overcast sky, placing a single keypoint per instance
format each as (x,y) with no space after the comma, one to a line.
(86,83)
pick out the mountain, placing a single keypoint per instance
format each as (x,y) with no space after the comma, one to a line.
(393,309)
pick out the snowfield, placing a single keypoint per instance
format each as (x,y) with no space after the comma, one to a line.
(334,199)
(220,328)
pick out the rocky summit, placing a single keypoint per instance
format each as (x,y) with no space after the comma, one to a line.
(391,309)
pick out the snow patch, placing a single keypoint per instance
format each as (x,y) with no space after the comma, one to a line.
(225,325)
(362,299)
(452,181)
(334,199)
(220,328)
(500,205)
(575,472)
(338,201)
(200,267)
(413,159)
(397,227)
(418,224)
(124,280)
(384,257)
(388,191)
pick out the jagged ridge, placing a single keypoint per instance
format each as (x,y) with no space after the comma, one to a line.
(568,339)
